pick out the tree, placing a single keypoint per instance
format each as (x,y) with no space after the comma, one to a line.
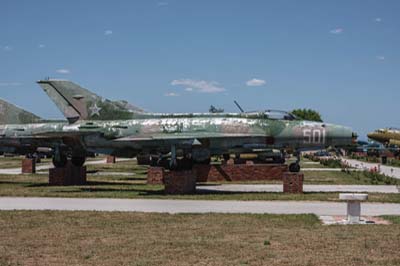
(308,114)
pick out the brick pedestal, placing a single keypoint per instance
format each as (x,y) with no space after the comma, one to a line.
(155,176)
(293,182)
(111,159)
(180,182)
(239,172)
(67,176)
(28,166)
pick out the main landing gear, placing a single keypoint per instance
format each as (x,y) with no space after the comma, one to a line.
(295,167)
(60,159)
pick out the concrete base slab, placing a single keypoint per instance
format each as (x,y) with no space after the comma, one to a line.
(342,220)
(276,188)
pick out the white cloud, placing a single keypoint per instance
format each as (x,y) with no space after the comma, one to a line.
(337,31)
(380,57)
(9,84)
(171,94)
(255,82)
(108,32)
(41,46)
(378,19)
(199,85)
(63,71)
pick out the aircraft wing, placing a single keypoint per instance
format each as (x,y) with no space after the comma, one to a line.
(61,134)
(188,136)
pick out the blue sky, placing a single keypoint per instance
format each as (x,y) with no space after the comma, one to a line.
(339,57)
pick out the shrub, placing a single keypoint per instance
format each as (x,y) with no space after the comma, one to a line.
(332,163)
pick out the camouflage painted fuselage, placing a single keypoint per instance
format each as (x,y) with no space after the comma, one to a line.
(26,138)
(11,114)
(209,134)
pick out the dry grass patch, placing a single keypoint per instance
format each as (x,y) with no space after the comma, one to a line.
(93,238)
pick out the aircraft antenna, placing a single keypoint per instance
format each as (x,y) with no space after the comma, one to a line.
(238,106)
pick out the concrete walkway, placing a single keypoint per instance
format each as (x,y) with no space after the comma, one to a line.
(194,206)
(306,188)
(304,169)
(386,170)
(18,171)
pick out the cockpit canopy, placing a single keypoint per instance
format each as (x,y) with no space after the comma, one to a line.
(273,114)
(279,115)
(388,130)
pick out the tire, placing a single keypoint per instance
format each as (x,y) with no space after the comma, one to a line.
(61,162)
(78,161)
(226,157)
(143,160)
(294,168)
(206,161)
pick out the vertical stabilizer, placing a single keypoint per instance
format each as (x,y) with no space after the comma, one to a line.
(11,114)
(77,103)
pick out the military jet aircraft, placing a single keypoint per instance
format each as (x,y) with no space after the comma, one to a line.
(386,136)
(118,128)
(16,118)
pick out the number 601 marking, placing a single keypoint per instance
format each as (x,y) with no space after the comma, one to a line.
(314,136)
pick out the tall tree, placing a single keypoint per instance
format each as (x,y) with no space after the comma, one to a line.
(308,114)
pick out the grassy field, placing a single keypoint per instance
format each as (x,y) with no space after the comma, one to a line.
(134,186)
(91,238)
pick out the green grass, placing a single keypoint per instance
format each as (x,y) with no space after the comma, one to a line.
(347,178)
(103,238)
(16,162)
(393,219)
(136,187)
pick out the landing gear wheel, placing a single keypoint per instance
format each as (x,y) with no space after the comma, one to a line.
(205,161)
(294,167)
(154,160)
(278,160)
(78,161)
(143,160)
(226,157)
(61,161)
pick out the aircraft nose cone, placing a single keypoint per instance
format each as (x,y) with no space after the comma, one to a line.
(376,136)
(372,135)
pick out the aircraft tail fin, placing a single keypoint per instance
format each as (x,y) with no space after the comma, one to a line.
(77,103)
(11,114)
